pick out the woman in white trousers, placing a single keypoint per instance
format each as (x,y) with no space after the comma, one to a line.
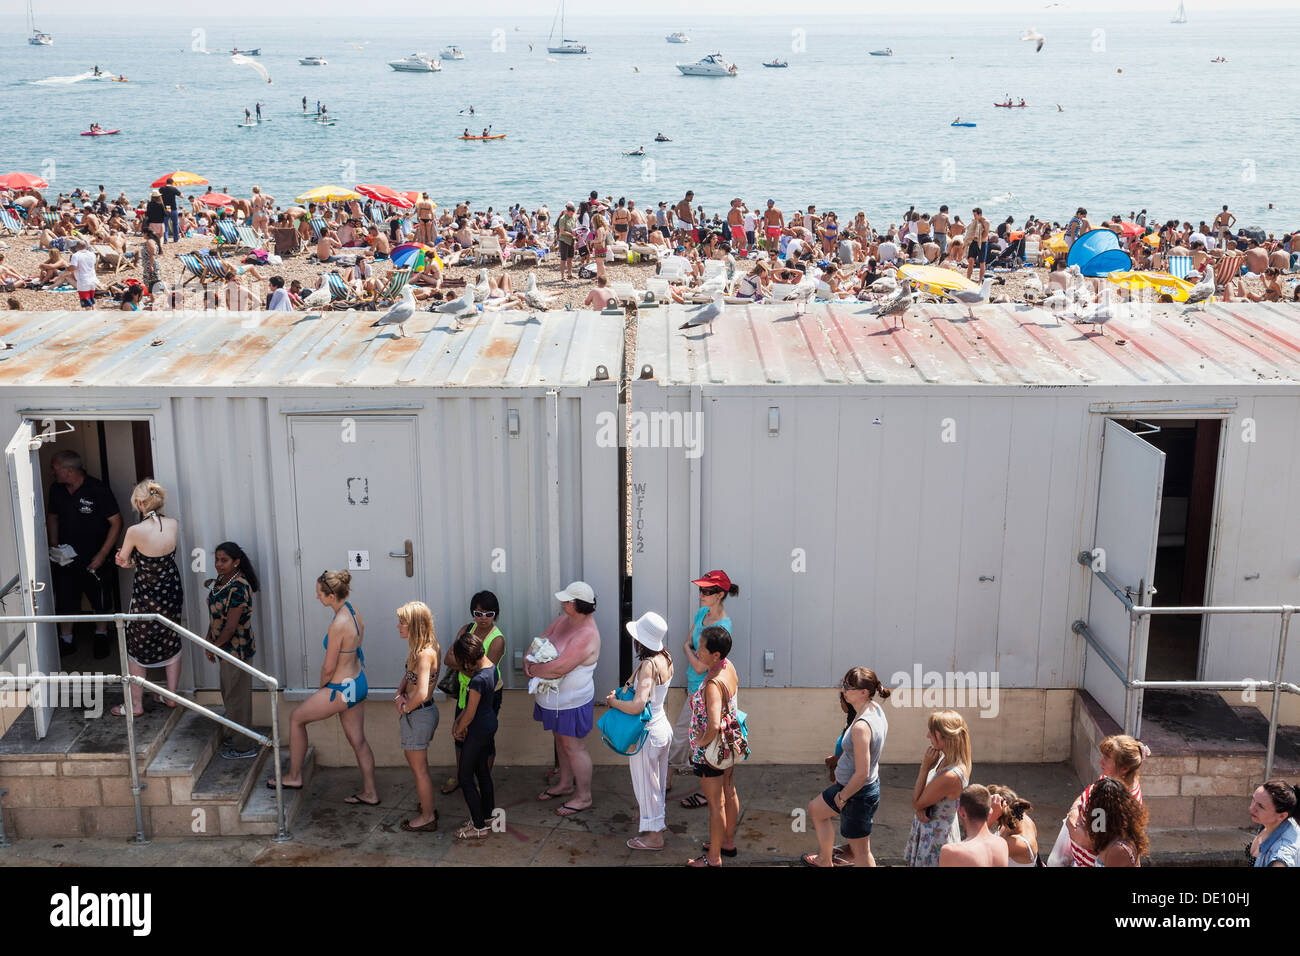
(649,766)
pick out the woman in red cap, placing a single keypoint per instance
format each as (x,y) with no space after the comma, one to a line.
(714,587)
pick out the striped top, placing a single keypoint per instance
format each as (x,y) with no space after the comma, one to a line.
(1084,857)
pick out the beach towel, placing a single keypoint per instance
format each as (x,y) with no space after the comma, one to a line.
(542,651)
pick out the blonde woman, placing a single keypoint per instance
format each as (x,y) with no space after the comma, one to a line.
(261,205)
(342,687)
(417,711)
(1121,759)
(599,242)
(150,548)
(944,772)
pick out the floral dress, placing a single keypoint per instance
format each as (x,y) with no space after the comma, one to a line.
(700,719)
(155,589)
(927,839)
(221,598)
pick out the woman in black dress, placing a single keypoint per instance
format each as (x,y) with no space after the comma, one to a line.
(150,548)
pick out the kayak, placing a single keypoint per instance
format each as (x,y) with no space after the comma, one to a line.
(497,136)
(961,124)
(102,132)
(1011,106)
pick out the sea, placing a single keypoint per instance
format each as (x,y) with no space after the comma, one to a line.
(1126,110)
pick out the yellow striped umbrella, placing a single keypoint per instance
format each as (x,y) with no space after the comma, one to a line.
(328,194)
(1161,283)
(935,279)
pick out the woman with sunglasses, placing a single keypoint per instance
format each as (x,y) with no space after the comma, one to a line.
(714,590)
(484,608)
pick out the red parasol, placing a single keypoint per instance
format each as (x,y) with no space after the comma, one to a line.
(23,181)
(386,195)
(1130,229)
(216,199)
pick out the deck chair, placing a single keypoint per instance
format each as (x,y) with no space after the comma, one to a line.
(524,253)
(51,219)
(1179,266)
(1033,250)
(490,246)
(108,257)
(248,239)
(659,286)
(675,269)
(342,295)
(394,291)
(9,222)
(285,240)
(196,268)
(216,268)
(1228,268)
(318,227)
(224,230)
(713,267)
(646,251)
(625,291)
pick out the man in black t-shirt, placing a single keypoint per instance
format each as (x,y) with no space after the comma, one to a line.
(81,512)
(171,198)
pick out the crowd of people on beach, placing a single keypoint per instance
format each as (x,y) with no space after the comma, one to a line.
(349,246)
(955,821)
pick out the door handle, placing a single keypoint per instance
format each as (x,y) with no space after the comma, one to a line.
(409,555)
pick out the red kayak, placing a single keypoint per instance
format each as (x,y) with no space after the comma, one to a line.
(101,132)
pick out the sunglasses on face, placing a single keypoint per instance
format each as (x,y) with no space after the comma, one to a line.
(709,592)
(488,614)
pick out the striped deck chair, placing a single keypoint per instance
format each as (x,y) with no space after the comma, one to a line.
(225,231)
(395,286)
(9,222)
(51,219)
(342,295)
(1228,268)
(378,218)
(1179,266)
(194,269)
(108,257)
(216,268)
(319,227)
(248,238)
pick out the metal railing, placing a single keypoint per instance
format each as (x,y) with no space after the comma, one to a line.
(1134,688)
(28,682)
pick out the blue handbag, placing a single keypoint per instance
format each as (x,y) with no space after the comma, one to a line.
(625,733)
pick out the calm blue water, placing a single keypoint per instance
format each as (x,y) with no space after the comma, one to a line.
(1173,132)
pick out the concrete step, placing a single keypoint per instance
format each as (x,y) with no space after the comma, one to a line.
(188,746)
(258,816)
(1205,846)
(230,780)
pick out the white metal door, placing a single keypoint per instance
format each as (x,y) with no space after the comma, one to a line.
(1128,523)
(356,483)
(33,560)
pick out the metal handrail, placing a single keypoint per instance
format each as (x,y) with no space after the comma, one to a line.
(128,680)
(1134,688)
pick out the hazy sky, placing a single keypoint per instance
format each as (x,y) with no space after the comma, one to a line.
(683,10)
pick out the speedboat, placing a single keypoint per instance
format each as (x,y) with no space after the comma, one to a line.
(254,52)
(313,61)
(416,63)
(711,65)
(777,64)
(887,51)
(678,37)
(452,53)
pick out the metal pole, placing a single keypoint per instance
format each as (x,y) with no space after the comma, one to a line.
(4,840)
(282,833)
(1277,692)
(1130,695)
(128,709)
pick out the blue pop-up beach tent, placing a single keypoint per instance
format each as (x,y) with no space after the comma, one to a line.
(1097,253)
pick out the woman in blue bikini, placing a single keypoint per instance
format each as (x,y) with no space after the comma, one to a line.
(343,687)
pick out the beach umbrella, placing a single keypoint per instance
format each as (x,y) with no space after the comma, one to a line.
(179,178)
(1057,244)
(385,195)
(327,194)
(414,196)
(408,255)
(1130,229)
(936,279)
(23,181)
(1152,240)
(216,199)
(1160,283)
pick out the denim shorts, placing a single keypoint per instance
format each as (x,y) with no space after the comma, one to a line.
(416,727)
(859,811)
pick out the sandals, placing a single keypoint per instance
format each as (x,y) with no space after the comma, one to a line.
(724,851)
(695,801)
(450,785)
(471,832)
(567,811)
(700,861)
(120,711)
(548,794)
(636,844)
(429,827)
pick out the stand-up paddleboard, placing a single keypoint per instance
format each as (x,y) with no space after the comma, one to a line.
(961,124)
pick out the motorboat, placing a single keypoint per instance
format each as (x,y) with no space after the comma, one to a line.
(712,65)
(254,52)
(777,64)
(416,63)
(313,61)
(678,37)
(36,37)
(887,51)
(452,53)
(565,45)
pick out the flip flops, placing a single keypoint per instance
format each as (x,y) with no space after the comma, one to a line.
(547,794)
(355,800)
(695,801)
(724,851)
(567,811)
(636,844)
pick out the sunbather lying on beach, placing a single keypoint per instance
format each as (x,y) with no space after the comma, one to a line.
(12,279)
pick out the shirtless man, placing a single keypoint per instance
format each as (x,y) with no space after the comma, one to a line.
(685,214)
(601,296)
(736,225)
(980,848)
(940,225)
(1223,224)
(378,242)
(326,246)
(424,217)
(773,224)
(977,237)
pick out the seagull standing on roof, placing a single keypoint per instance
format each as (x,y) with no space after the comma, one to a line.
(534,297)
(400,311)
(481,288)
(706,315)
(459,308)
(898,303)
(1202,291)
(1033,36)
(973,297)
(318,299)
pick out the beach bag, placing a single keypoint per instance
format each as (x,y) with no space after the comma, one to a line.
(731,740)
(1060,855)
(450,684)
(588,271)
(625,733)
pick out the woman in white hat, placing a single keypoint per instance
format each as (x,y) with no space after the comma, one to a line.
(649,765)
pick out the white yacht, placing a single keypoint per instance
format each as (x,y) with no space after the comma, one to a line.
(887,51)
(678,37)
(565,45)
(313,61)
(712,65)
(36,37)
(416,63)
(452,53)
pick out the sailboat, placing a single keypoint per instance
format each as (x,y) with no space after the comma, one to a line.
(1181,15)
(37,38)
(565,45)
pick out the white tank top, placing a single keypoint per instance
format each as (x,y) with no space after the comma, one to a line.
(577,687)
(657,701)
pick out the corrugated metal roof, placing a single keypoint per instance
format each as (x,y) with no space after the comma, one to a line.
(280,349)
(833,344)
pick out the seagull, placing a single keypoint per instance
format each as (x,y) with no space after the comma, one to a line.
(482,287)
(884,285)
(1033,36)
(1034,286)
(801,294)
(318,299)
(1202,291)
(1058,108)
(973,297)
(400,311)
(898,303)
(459,308)
(706,315)
(534,296)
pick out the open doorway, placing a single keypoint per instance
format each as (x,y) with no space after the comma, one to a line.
(1191,449)
(119,453)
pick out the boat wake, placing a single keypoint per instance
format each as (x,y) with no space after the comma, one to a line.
(64,80)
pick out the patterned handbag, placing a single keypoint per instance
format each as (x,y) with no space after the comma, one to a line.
(731,740)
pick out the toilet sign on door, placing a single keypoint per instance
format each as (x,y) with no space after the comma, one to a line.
(358,560)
